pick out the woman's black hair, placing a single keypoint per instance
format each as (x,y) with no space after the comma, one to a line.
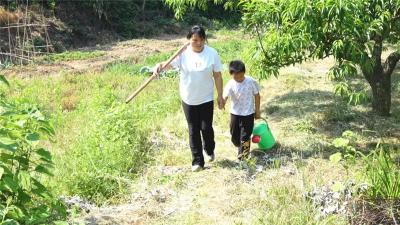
(196,30)
(236,66)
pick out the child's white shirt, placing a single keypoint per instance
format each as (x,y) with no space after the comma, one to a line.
(242,95)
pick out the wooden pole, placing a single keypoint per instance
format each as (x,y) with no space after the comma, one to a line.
(155,75)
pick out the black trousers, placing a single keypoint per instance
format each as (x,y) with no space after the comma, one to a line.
(199,119)
(241,130)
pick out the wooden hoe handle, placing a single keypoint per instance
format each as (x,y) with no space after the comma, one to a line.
(137,91)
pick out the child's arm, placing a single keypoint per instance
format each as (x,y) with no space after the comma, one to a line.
(219,85)
(225,95)
(224,99)
(257,105)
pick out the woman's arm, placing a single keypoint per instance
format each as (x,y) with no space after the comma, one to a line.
(257,105)
(218,84)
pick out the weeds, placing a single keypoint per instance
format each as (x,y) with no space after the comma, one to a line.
(69,56)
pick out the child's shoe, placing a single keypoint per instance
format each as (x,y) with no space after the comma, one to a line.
(211,157)
(196,168)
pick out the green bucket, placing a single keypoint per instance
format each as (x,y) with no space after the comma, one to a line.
(262,135)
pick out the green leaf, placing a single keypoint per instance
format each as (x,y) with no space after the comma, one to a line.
(2,211)
(33,137)
(37,115)
(23,161)
(46,128)
(9,222)
(21,123)
(348,134)
(8,144)
(43,168)
(15,134)
(340,142)
(39,189)
(44,154)
(4,80)
(1,172)
(39,215)
(25,180)
(335,158)
(6,170)
(23,197)
(15,213)
(10,184)
(4,157)
(60,207)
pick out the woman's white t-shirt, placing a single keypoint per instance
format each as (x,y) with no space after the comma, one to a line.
(196,84)
(242,95)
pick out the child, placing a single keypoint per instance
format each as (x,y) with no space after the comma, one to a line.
(245,107)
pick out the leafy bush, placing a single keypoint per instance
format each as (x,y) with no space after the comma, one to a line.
(378,201)
(380,170)
(346,144)
(23,197)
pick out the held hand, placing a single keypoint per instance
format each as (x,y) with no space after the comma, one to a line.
(257,115)
(221,102)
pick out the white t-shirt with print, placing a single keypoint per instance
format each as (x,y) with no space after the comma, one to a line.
(242,95)
(196,84)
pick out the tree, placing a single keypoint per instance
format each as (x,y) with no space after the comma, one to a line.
(181,6)
(352,31)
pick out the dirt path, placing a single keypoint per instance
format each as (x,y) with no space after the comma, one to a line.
(132,50)
(226,192)
(269,190)
(223,193)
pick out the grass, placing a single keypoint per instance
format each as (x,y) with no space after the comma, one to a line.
(383,175)
(106,150)
(305,118)
(101,143)
(224,195)
(69,56)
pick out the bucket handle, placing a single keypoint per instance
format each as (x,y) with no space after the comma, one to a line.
(265,120)
(262,118)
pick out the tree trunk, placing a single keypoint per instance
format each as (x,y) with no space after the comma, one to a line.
(381,94)
(380,78)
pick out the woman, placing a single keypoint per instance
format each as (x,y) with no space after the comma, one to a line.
(200,67)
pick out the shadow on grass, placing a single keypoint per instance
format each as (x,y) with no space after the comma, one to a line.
(330,115)
(102,220)
(227,163)
(277,156)
(286,154)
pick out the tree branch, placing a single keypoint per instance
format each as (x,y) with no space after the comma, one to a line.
(390,63)
(260,40)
